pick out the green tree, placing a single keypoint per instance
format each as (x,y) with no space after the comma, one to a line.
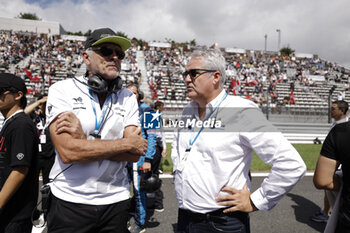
(88,33)
(193,42)
(31,16)
(75,33)
(122,34)
(138,42)
(286,51)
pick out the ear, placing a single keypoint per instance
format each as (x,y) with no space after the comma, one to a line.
(217,78)
(19,95)
(86,57)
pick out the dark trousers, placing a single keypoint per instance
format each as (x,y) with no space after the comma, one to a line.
(343,224)
(22,226)
(45,165)
(68,217)
(157,158)
(213,222)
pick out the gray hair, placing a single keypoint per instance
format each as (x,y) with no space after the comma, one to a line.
(89,51)
(213,60)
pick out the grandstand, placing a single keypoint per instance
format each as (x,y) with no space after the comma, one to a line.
(290,90)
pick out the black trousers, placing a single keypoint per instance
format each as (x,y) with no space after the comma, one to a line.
(213,222)
(343,224)
(68,217)
(157,159)
(45,165)
(22,226)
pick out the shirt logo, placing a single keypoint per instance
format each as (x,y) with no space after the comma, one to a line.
(49,108)
(105,35)
(2,143)
(152,120)
(20,156)
(78,100)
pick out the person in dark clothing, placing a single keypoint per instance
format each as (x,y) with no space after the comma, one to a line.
(157,159)
(335,151)
(46,148)
(18,158)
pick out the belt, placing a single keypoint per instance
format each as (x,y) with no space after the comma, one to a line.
(217,215)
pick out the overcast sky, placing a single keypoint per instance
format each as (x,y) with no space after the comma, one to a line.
(308,26)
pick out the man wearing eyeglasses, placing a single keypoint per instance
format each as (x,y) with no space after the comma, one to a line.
(212,161)
(338,112)
(88,179)
(18,158)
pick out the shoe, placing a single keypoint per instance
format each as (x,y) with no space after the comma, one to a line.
(159,209)
(320,217)
(128,225)
(137,229)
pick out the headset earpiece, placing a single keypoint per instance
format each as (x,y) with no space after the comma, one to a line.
(116,84)
(99,85)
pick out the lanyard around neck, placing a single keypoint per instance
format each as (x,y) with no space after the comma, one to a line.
(98,122)
(192,141)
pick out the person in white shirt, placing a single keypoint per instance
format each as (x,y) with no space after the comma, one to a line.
(212,153)
(89,180)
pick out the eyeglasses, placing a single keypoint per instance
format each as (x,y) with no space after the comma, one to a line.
(194,72)
(108,51)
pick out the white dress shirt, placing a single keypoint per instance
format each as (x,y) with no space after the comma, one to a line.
(221,156)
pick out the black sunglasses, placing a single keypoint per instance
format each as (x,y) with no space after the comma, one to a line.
(108,51)
(194,72)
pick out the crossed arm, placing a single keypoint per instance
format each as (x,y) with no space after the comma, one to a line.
(72,145)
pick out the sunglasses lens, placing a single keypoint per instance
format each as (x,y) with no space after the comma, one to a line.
(106,51)
(193,73)
(120,54)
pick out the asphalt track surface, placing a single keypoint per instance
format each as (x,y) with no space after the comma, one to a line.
(292,213)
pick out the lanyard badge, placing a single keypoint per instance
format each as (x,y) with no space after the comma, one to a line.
(100,121)
(184,156)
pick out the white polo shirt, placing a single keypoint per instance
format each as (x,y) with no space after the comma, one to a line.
(221,156)
(101,182)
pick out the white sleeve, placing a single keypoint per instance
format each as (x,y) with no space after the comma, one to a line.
(287,167)
(174,150)
(274,149)
(163,140)
(132,113)
(57,102)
